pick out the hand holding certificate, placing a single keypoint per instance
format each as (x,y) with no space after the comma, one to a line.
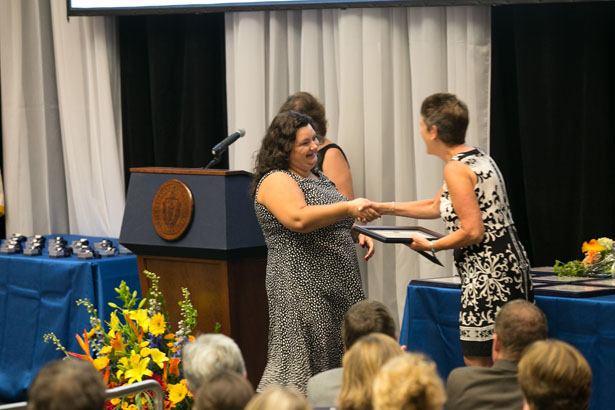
(401,234)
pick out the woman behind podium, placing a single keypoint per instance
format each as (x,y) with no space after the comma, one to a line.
(312,271)
(331,159)
(473,204)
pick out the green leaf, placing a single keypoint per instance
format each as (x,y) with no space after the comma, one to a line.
(572,268)
(138,401)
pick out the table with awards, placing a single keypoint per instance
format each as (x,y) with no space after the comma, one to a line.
(579,311)
(41,279)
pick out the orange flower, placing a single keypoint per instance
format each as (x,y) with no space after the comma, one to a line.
(117,343)
(106,376)
(174,366)
(591,257)
(138,333)
(85,345)
(164,375)
(593,245)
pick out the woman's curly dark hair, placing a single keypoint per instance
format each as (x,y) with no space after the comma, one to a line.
(277,144)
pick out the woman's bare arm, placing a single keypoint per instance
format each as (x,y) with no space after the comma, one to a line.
(422,209)
(335,167)
(460,181)
(284,199)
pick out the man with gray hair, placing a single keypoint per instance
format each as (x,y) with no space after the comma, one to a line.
(208,355)
(517,325)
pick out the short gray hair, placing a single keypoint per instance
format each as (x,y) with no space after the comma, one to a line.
(209,354)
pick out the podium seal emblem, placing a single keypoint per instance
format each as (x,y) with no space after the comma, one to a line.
(172,209)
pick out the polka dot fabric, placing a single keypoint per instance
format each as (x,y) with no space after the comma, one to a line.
(312,279)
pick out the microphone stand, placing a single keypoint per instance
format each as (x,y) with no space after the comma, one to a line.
(214,161)
(222,146)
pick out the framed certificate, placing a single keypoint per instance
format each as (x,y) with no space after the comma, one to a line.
(554,279)
(573,291)
(396,234)
(400,234)
(542,270)
(608,282)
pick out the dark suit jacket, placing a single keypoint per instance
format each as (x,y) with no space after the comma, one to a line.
(484,388)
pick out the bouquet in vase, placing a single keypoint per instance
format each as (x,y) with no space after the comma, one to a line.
(599,260)
(138,345)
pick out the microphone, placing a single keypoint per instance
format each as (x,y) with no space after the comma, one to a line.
(220,147)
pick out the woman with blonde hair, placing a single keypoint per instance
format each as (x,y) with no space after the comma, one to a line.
(278,398)
(409,382)
(554,375)
(361,364)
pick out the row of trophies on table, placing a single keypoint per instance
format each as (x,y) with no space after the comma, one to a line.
(58,247)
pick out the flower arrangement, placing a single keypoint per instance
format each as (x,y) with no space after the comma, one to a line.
(599,260)
(138,346)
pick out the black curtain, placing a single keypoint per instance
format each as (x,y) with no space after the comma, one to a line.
(552,123)
(173,89)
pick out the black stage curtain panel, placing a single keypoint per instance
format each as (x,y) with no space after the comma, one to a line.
(173,89)
(552,123)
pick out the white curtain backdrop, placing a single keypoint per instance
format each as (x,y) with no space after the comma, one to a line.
(60,118)
(371,68)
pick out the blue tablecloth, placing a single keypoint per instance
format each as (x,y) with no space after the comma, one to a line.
(38,295)
(430,325)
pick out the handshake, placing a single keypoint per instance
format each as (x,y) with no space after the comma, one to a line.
(364,210)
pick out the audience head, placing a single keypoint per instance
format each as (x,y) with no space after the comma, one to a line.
(518,324)
(408,382)
(554,375)
(361,364)
(306,103)
(67,384)
(449,115)
(226,390)
(209,354)
(365,317)
(278,398)
(277,144)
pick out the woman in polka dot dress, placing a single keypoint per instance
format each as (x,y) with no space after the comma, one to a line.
(312,271)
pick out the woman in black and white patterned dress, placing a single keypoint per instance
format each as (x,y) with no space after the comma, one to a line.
(312,271)
(489,257)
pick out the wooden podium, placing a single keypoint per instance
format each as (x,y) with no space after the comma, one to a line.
(220,256)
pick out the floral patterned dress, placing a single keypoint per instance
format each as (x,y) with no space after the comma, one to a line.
(312,279)
(497,269)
